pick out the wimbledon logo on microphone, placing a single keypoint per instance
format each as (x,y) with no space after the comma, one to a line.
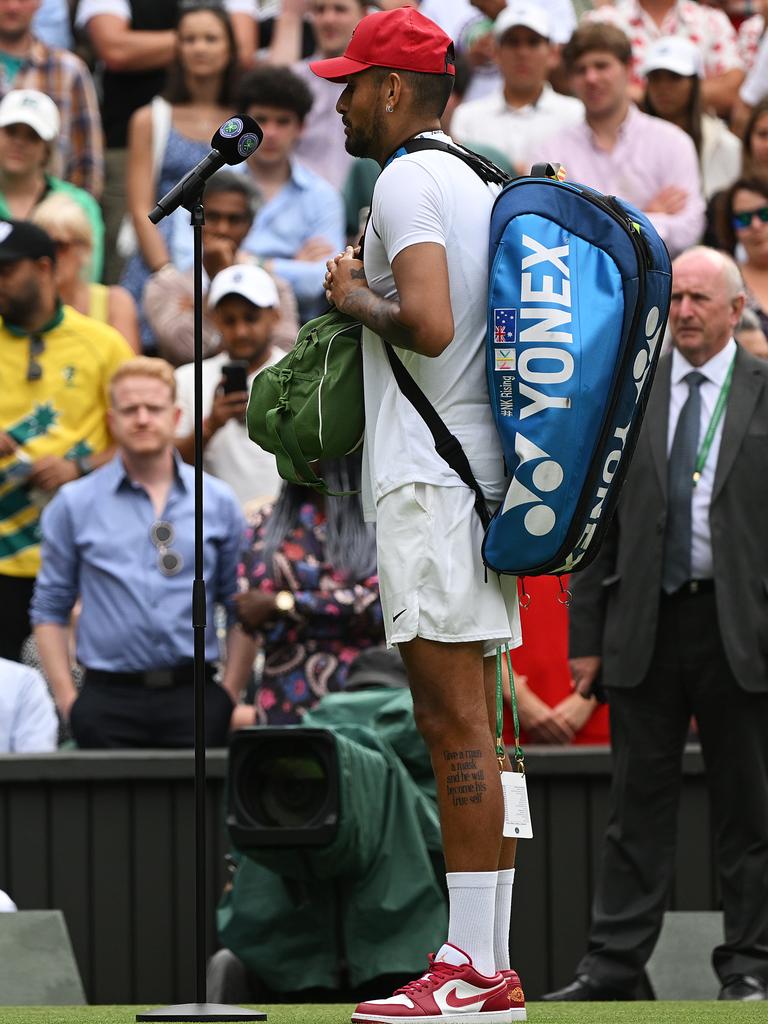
(232,128)
(247,145)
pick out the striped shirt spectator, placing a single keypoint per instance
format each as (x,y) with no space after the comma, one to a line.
(65,78)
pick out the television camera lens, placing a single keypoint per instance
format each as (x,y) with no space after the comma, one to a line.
(284,786)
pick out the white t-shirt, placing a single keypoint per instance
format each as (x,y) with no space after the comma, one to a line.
(430,197)
(88,9)
(755,85)
(450,15)
(230,454)
(28,722)
(515,131)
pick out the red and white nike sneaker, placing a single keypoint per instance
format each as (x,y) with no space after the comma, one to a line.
(450,992)
(516,995)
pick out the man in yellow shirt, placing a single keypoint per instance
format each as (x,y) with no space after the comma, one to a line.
(55,365)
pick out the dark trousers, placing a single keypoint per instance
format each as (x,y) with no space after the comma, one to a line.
(15,599)
(119,715)
(689,675)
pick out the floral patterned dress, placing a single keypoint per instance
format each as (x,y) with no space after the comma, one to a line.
(308,652)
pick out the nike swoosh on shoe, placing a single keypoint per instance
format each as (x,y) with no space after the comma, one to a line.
(456,1002)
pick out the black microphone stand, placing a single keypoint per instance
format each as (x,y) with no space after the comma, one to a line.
(200,1010)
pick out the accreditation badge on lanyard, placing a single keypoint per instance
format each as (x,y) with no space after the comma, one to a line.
(517,813)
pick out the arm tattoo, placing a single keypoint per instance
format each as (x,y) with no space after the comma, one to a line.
(380,315)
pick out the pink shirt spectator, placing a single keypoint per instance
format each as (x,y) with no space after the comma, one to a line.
(710,30)
(649,155)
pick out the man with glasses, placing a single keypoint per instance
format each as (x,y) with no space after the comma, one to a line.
(230,204)
(122,540)
(55,365)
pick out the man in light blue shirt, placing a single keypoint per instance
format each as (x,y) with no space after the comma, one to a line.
(301,224)
(122,540)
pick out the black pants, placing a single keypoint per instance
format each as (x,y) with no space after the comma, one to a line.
(119,715)
(688,675)
(15,599)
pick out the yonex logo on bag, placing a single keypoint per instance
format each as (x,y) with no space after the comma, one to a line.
(539,363)
(547,364)
(545,476)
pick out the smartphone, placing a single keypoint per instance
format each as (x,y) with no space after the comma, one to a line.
(235,376)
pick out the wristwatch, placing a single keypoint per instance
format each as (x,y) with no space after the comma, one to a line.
(285,602)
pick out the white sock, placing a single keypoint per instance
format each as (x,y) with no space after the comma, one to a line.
(471,903)
(502,918)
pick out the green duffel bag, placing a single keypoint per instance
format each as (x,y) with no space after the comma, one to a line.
(309,406)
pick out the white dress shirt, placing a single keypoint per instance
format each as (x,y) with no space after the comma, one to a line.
(715,372)
(515,131)
(28,721)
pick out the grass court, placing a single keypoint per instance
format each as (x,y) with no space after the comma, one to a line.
(538,1013)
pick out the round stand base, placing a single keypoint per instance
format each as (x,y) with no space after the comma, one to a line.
(201,1012)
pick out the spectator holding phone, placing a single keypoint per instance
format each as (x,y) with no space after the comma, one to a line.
(243,303)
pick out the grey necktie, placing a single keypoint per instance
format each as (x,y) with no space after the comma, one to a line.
(680,468)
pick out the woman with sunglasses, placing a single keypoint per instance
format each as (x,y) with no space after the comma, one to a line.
(754,164)
(29,127)
(70,231)
(198,96)
(742,228)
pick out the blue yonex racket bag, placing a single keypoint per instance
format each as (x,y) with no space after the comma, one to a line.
(578,299)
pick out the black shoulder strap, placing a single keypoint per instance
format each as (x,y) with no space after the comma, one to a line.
(483,168)
(446,445)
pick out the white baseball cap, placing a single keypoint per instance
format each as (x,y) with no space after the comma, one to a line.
(6,903)
(247,280)
(28,106)
(672,53)
(522,12)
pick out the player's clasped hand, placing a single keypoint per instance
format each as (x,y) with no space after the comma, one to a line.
(345,274)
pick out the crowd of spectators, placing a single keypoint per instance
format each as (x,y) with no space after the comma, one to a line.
(104,104)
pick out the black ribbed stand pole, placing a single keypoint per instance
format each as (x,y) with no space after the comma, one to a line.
(200,1010)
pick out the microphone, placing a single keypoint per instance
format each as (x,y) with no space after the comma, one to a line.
(233,142)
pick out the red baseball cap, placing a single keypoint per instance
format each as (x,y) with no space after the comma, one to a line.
(401,39)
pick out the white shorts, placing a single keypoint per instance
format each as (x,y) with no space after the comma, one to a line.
(431,574)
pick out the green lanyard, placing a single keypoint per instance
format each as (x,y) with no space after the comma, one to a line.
(717,415)
(519,757)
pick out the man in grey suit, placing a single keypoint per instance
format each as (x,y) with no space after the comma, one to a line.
(673,616)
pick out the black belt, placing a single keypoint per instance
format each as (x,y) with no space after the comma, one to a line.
(152,679)
(694,587)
